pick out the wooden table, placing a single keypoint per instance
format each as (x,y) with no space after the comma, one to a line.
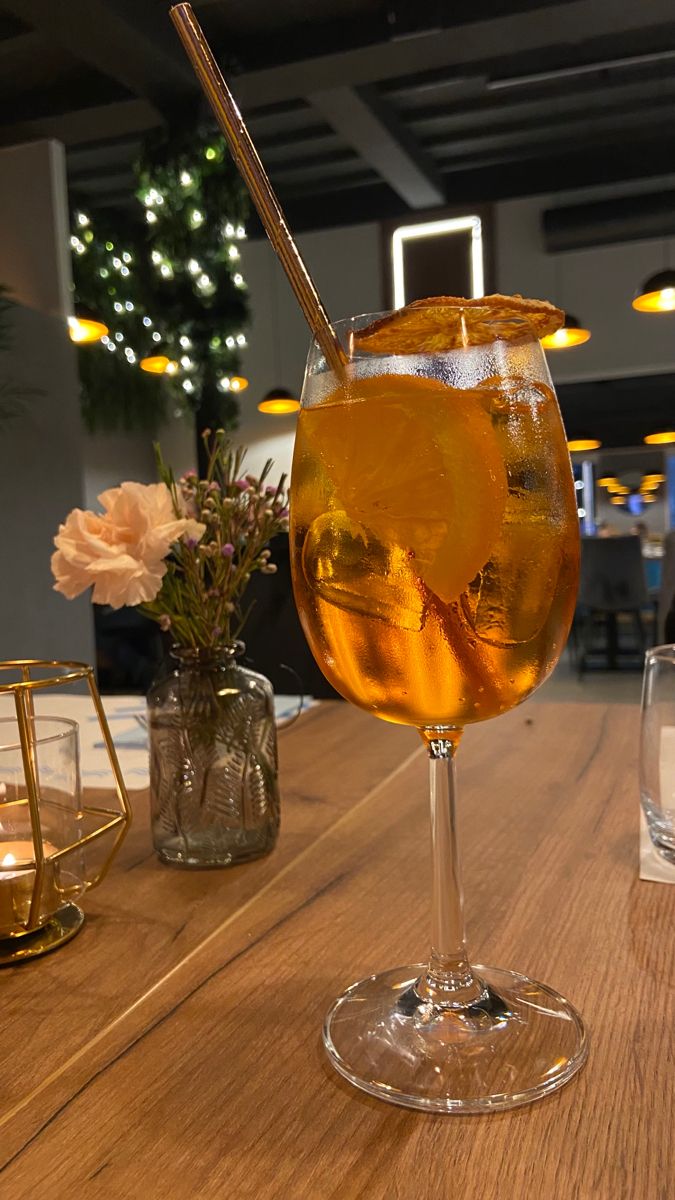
(172,1049)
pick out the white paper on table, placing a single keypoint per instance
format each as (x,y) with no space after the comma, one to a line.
(129,734)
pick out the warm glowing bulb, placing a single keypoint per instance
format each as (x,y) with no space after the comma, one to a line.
(618,490)
(238,383)
(660,439)
(185,178)
(566,337)
(279,406)
(617,500)
(155,364)
(82,330)
(579,444)
(662,300)
(8,860)
(653,478)
(607,481)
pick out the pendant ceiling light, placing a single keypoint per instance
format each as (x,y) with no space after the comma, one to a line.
(660,439)
(279,401)
(577,445)
(571,334)
(657,294)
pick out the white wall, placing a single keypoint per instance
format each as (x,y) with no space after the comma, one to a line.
(346,267)
(41,472)
(597,285)
(110,458)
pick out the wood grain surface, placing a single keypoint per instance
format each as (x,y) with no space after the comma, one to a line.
(173,1049)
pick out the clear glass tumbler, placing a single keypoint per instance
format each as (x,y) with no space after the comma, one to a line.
(31,896)
(657,749)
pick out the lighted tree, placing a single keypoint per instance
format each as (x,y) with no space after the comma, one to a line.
(170,289)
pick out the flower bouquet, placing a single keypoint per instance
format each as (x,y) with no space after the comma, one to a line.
(182,552)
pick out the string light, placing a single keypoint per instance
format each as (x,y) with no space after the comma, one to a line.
(210,153)
(120,261)
(82,330)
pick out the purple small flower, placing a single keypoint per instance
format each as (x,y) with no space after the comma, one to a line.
(214,486)
(217,631)
(283,512)
(270,491)
(227,550)
(190,542)
(242,484)
(188,476)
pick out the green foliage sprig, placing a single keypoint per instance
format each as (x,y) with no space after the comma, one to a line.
(200,601)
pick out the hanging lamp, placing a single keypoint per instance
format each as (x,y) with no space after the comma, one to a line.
(657,294)
(278,402)
(571,334)
(578,445)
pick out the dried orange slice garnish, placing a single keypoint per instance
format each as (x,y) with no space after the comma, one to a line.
(449,322)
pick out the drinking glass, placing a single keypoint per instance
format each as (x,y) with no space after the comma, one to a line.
(435,553)
(657,749)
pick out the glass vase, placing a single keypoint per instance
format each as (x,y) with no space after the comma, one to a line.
(213,760)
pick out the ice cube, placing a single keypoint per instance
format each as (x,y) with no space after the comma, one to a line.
(349,568)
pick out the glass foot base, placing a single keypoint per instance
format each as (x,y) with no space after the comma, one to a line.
(519,1041)
(58,929)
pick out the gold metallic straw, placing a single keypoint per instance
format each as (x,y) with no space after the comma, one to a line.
(250,167)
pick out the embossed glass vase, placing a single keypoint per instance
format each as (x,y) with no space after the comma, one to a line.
(213,760)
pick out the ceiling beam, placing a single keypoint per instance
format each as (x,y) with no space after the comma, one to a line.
(117,39)
(366,123)
(567,23)
(85,124)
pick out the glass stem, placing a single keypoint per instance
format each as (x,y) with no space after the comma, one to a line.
(449,979)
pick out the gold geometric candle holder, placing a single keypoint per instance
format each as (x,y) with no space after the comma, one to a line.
(53,847)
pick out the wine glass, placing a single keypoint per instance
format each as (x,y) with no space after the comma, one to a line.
(435,549)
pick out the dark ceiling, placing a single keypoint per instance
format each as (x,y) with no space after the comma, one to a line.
(359,108)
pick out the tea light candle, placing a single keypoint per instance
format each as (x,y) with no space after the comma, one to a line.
(16,886)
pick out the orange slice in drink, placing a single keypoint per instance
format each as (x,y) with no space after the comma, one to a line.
(442,323)
(419,465)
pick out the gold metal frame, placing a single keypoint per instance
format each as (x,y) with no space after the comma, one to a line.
(37,938)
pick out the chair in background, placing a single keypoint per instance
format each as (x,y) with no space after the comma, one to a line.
(666,602)
(612,584)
